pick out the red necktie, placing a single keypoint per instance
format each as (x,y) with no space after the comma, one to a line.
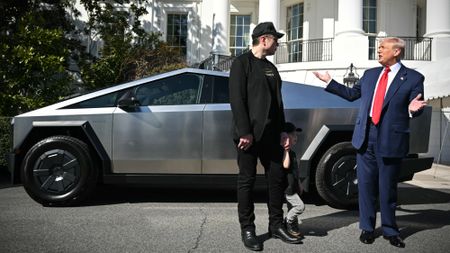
(379,96)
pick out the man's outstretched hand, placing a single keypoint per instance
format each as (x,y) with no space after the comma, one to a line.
(416,104)
(324,77)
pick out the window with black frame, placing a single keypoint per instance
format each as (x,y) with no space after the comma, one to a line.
(295,32)
(177,31)
(370,24)
(176,90)
(215,90)
(239,33)
(108,100)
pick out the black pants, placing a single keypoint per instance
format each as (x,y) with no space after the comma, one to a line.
(270,153)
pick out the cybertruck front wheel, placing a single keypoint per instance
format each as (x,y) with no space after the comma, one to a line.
(59,170)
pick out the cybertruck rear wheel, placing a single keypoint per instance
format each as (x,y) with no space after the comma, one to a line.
(59,171)
(336,180)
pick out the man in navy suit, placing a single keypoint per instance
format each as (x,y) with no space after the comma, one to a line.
(390,95)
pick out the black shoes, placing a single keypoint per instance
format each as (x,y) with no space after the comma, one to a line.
(367,237)
(282,234)
(395,240)
(250,240)
(292,228)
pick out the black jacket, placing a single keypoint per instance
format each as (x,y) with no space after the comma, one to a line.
(292,175)
(250,97)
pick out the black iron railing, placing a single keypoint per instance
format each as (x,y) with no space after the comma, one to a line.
(219,62)
(416,48)
(305,51)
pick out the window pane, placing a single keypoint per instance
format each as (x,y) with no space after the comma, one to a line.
(108,100)
(177,31)
(239,20)
(176,90)
(221,91)
(372,27)
(246,30)
(232,43)
(247,19)
(373,13)
(239,33)
(294,22)
(370,16)
(239,42)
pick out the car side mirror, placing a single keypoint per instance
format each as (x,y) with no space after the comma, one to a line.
(128,101)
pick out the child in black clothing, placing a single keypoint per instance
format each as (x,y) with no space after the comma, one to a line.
(295,203)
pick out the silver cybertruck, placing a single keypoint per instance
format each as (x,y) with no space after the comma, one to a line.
(175,129)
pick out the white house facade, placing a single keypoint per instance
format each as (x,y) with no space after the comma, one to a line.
(320,35)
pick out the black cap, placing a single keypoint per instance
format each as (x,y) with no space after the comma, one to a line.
(289,128)
(266,28)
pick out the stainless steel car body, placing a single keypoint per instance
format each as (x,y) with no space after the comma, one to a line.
(193,138)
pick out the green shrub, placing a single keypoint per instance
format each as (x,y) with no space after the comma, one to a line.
(5,140)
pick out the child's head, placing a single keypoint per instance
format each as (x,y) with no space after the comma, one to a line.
(292,131)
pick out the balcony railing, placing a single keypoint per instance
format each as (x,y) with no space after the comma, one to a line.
(219,62)
(305,51)
(416,48)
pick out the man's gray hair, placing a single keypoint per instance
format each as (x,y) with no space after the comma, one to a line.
(397,44)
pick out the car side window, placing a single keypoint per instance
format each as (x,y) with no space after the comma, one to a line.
(221,91)
(175,90)
(108,100)
(215,90)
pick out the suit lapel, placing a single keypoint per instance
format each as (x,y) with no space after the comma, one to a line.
(399,79)
(372,83)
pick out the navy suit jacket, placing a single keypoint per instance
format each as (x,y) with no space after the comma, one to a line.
(393,128)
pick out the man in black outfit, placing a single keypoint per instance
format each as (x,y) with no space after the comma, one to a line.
(258,119)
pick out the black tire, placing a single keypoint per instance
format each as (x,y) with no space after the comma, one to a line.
(59,171)
(336,180)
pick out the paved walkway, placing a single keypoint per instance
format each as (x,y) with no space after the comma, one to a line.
(437,177)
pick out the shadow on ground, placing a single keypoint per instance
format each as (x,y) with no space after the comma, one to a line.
(412,195)
(114,194)
(5,178)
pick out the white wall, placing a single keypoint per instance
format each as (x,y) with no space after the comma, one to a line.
(397,17)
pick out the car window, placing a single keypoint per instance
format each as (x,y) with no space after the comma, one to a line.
(221,91)
(215,90)
(108,100)
(175,90)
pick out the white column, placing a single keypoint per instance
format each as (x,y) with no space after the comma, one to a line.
(221,10)
(438,18)
(438,27)
(269,10)
(350,15)
(350,44)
